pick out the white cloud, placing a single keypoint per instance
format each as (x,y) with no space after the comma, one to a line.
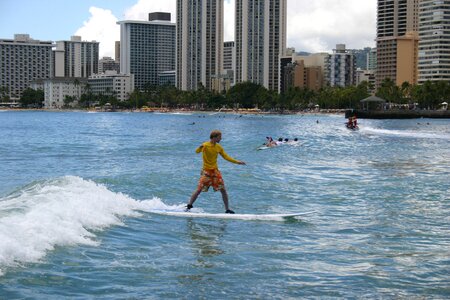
(228,8)
(313,26)
(317,26)
(102,28)
(142,8)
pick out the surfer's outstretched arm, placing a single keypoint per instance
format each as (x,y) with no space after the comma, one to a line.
(230,159)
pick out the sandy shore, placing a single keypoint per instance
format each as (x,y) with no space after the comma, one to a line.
(165,110)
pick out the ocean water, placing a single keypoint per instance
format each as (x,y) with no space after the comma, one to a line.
(77,191)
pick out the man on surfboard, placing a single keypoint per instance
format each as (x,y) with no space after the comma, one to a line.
(210,175)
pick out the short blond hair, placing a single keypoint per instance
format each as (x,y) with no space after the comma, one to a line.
(215,133)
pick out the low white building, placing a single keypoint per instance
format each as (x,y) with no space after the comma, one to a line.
(58,89)
(111,83)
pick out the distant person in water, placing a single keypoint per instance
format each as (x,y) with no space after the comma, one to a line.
(210,174)
(270,142)
(352,123)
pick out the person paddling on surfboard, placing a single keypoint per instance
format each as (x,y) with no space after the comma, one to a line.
(210,174)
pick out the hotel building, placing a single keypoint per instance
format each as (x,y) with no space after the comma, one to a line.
(340,67)
(434,43)
(260,39)
(112,84)
(76,58)
(23,60)
(147,49)
(397,41)
(199,43)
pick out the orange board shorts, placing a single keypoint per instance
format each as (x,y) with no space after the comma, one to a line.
(210,178)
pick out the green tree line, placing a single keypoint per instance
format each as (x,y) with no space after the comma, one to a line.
(250,95)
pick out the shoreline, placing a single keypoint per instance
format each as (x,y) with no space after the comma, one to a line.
(169,111)
(391,114)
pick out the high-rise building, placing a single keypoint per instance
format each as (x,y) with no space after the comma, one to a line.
(199,43)
(229,60)
(229,56)
(260,41)
(23,60)
(147,49)
(434,40)
(397,41)
(340,67)
(76,58)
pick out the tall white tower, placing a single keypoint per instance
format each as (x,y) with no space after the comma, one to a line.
(260,41)
(199,42)
(147,48)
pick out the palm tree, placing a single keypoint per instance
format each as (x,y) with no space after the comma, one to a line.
(405,91)
(76,82)
(88,92)
(4,93)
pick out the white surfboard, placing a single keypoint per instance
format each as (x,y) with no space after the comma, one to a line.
(264,148)
(290,143)
(252,217)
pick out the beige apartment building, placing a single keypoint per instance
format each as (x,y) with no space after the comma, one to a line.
(397,41)
(397,59)
(302,71)
(307,77)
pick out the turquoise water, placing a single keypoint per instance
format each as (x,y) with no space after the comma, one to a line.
(77,190)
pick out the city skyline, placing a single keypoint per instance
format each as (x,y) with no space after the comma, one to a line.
(311,26)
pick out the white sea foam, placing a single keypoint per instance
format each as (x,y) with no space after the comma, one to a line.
(62,212)
(404,133)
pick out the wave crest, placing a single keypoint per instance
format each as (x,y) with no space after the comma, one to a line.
(61,212)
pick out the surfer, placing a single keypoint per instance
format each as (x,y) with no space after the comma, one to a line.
(270,142)
(210,174)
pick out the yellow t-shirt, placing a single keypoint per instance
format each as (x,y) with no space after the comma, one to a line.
(210,153)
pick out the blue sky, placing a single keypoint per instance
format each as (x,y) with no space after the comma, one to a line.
(313,25)
(51,19)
